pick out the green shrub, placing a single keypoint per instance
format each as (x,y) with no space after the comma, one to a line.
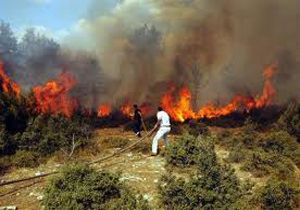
(262,163)
(218,188)
(238,155)
(263,153)
(282,143)
(214,187)
(189,150)
(183,151)
(25,159)
(7,144)
(206,158)
(46,134)
(241,139)
(279,195)
(250,126)
(290,120)
(81,187)
(195,128)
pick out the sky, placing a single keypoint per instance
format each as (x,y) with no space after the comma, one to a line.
(56,17)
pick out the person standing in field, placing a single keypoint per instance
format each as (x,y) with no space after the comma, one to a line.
(164,127)
(137,117)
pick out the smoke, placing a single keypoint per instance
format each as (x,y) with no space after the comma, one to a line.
(217,48)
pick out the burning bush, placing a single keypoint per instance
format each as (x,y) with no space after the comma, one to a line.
(54,96)
(81,187)
(24,126)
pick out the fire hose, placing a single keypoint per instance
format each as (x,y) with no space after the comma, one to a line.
(89,163)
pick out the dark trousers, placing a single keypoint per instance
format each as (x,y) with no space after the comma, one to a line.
(137,126)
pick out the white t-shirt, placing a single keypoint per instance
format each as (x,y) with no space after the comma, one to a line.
(164,117)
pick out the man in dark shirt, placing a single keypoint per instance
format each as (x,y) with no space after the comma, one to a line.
(137,117)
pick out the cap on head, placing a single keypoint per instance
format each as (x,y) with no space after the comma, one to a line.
(159,108)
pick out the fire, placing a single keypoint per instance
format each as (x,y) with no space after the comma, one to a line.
(146,109)
(126,109)
(238,102)
(54,97)
(269,91)
(104,110)
(8,86)
(182,109)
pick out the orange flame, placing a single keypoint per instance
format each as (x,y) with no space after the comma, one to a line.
(104,110)
(182,109)
(269,91)
(146,109)
(54,97)
(8,86)
(126,109)
(238,102)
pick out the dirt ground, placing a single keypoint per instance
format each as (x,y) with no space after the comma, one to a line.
(139,170)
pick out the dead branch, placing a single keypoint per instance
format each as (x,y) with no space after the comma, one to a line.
(73,147)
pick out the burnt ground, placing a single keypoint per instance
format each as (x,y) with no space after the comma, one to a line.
(139,170)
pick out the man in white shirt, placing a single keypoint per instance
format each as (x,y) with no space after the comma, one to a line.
(163,122)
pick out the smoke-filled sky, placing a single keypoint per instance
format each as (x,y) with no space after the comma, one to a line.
(218,48)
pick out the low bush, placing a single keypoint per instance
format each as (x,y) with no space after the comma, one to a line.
(81,187)
(263,153)
(281,143)
(279,195)
(24,158)
(262,163)
(191,150)
(242,139)
(7,143)
(191,127)
(290,120)
(195,128)
(47,134)
(238,155)
(183,151)
(214,187)
(14,115)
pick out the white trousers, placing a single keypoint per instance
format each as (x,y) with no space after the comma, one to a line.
(161,133)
